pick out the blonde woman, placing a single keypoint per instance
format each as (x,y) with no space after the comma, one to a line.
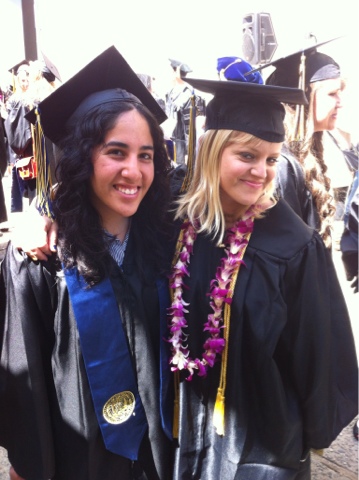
(262,348)
(327,175)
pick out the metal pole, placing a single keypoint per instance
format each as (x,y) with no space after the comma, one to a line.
(29,29)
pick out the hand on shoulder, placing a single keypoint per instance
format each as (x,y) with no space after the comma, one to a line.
(36,235)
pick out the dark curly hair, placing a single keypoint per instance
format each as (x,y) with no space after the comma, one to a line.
(81,238)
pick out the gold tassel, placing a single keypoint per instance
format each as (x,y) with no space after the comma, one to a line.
(191,146)
(174,153)
(299,129)
(13,81)
(219,407)
(43,179)
(218,414)
(318,452)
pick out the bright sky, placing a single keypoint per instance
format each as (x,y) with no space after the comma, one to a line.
(147,33)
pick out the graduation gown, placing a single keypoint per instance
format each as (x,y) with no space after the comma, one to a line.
(291,186)
(292,377)
(47,418)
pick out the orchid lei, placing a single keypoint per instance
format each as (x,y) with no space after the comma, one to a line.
(220,294)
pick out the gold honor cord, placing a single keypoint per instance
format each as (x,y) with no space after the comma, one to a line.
(219,407)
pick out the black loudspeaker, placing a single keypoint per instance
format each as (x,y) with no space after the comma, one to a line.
(258,39)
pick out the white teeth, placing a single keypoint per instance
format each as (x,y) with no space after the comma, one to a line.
(128,191)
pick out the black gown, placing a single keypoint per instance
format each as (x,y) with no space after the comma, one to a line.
(3,168)
(47,419)
(292,378)
(291,186)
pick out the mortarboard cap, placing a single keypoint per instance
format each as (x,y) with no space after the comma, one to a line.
(248,107)
(24,64)
(49,71)
(182,66)
(318,66)
(91,86)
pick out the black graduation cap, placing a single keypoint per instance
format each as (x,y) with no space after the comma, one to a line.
(248,107)
(318,66)
(107,71)
(16,67)
(50,72)
(182,66)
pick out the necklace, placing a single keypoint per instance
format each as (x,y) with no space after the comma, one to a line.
(220,293)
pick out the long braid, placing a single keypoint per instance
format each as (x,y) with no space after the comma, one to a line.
(319,183)
(309,151)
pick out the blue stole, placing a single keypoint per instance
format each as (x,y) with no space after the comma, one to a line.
(104,346)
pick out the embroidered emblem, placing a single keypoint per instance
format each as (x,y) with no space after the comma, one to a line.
(119,407)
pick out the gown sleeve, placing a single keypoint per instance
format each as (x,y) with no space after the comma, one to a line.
(26,387)
(319,344)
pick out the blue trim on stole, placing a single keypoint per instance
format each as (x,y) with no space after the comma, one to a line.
(166,385)
(107,360)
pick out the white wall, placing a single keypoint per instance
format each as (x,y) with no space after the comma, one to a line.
(11,37)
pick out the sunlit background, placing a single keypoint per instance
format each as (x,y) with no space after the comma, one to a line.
(147,33)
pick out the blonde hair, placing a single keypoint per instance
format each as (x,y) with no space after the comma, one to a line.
(201,204)
(309,152)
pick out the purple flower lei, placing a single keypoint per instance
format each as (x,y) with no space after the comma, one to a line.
(219,294)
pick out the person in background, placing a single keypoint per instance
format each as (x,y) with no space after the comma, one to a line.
(147,81)
(41,82)
(81,393)
(169,143)
(21,73)
(45,79)
(327,175)
(178,106)
(19,136)
(349,239)
(262,348)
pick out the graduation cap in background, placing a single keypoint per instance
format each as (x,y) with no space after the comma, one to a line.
(182,66)
(104,79)
(25,64)
(299,69)
(49,71)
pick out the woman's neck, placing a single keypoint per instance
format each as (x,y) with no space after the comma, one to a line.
(232,217)
(119,230)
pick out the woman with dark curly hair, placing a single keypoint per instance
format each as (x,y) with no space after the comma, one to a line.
(82,395)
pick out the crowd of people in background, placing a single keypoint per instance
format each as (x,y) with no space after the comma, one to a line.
(31,82)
